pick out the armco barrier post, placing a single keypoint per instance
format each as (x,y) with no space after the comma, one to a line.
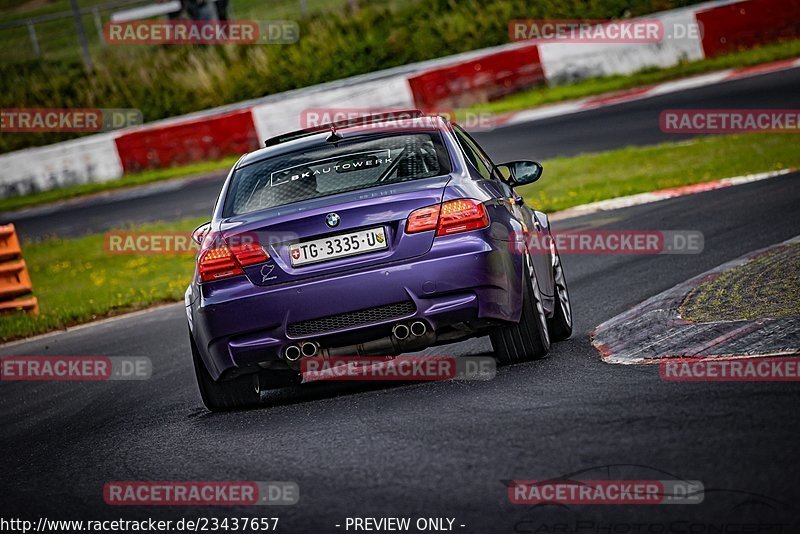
(14,279)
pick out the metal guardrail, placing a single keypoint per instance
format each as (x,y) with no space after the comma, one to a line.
(50,36)
(55,36)
(108,6)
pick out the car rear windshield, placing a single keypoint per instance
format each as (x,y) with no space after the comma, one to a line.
(336,168)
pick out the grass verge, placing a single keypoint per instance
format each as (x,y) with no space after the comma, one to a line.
(588,178)
(77,281)
(766,286)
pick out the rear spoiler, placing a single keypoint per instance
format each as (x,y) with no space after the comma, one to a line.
(347,123)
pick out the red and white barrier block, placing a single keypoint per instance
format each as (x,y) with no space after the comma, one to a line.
(85,160)
(745,24)
(179,142)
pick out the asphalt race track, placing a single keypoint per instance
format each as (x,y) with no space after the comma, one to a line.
(433,449)
(633,123)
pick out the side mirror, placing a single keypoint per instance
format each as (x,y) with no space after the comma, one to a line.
(520,172)
(199,233)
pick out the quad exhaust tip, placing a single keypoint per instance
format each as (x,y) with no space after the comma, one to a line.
(400,331)
(292,353)
(418,328)
(308,349)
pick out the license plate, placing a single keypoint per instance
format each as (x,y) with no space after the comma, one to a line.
(338,246)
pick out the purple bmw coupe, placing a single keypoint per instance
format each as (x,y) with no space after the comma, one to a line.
(367,237)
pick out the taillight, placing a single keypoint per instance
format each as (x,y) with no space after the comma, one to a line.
(217,263)
(451,217)
(461,215)
(423,219)
(223,261)
(249,254)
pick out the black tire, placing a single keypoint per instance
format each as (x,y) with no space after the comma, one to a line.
(561,322)
(241,392)
(529,339)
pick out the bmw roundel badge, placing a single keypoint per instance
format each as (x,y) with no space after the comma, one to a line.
(332,220)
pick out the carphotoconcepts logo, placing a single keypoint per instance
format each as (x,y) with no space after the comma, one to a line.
(622,242)
(395,119)
(613,492)
(725,121)
(200,493)
(202,32)
(403,368)
(84,120)
(74,368)
(748,370)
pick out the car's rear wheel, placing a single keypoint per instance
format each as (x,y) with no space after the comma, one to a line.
(561,322)
(241,392)
(529,339)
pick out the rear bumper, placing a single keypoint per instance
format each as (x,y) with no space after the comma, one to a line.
(461,279)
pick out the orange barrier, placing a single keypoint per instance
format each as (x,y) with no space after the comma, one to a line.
(9,244)
(14,278)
